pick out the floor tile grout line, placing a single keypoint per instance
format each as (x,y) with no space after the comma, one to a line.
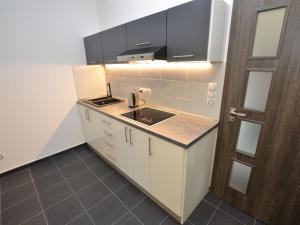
(38,197)
(214,213)
(17,203)
(75,195)
(28,219)
(167,216)
(118,220)
(113,193)
(15,187)
(233,217)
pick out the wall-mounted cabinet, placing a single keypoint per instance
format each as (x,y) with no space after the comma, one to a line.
(194,31)
(113,43)
(149,31)
(93,49)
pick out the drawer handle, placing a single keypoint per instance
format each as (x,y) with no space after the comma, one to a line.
(183,56)
(108,123)
(108,134)
(108,144)
(92,62)
(143,43)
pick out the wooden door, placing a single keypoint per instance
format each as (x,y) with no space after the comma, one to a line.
(257,162)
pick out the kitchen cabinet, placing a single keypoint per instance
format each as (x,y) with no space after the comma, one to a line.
(175,177)
(93,49)
(197,30)
(92,132)
(166,173)
(133,155)
(113,43)
(149,31)
(188,31)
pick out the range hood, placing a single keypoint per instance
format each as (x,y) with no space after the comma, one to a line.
(151,53)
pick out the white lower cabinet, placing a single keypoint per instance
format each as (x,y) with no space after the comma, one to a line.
(133,155)
(177,178)
(167,173)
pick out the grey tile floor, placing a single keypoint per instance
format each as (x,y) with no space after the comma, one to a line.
(77,187)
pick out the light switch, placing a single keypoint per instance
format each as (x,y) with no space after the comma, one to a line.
(211,94)
(212,86)
(211,101)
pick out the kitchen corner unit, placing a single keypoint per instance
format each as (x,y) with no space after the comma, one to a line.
(170,161)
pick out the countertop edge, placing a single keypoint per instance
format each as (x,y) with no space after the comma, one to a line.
(180,144)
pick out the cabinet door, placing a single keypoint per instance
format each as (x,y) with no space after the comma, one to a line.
(91,129)
(133,157)
(149,31)
(166,173)
(93,49)
(113,43)
(188,31)
(138,140)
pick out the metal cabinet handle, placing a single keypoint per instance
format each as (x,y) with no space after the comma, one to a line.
(104,121)
(108,134)
(126,135)
(108,144)
(85,111)
(92,62)
(149,146)
(183,56)
(130,136)
(143,43)
(233,112)
(112,60)
(87,115)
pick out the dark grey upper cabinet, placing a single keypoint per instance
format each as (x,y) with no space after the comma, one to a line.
(149,31)
(188,31)
(93,49)
(113,43)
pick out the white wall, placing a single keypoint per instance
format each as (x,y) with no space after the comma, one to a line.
(116,12)
(40,40)
(46,31)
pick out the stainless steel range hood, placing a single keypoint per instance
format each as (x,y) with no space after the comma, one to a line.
(151,53)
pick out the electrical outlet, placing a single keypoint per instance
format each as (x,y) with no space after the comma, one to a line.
(145,90)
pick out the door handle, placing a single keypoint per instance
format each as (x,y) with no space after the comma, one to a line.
(233,111)
(130,136)
(126,135)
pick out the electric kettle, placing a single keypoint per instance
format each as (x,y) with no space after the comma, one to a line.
(133,99)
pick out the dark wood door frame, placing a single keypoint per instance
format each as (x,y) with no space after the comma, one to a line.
(275,181)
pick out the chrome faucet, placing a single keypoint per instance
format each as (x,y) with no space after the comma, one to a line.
(108,90)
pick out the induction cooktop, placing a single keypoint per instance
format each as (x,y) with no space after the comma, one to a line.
(148,115)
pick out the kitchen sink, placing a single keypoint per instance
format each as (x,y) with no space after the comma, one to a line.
(103,101)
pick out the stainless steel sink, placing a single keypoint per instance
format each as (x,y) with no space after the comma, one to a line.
(104,101)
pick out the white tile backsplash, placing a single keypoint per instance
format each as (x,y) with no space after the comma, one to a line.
(183,89)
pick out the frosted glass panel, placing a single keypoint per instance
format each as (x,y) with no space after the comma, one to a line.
(248,138)
(268,30)
(240,175)
(258,88)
